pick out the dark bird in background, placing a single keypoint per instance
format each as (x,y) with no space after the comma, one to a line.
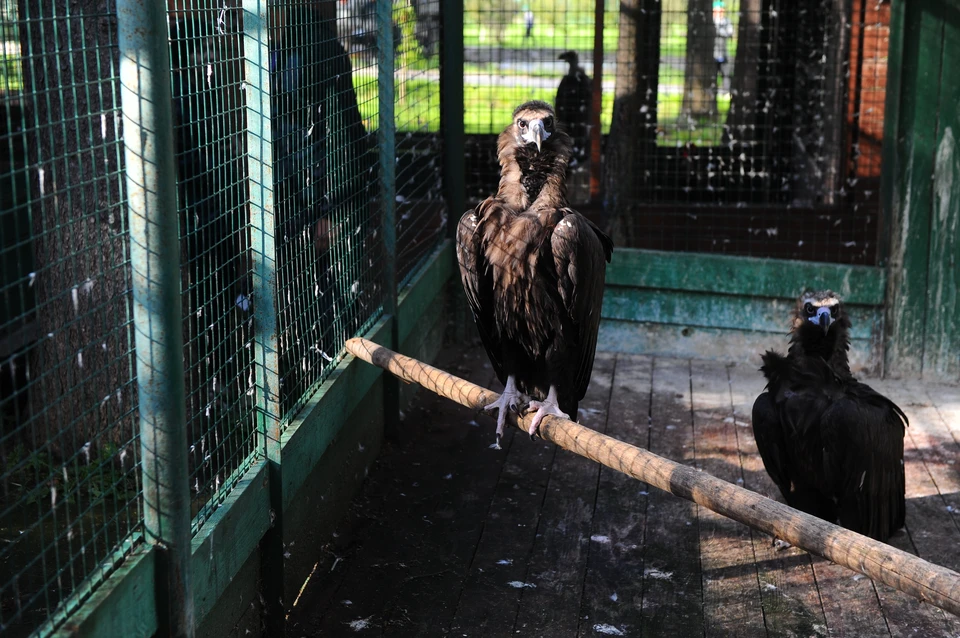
(574,102)
(833,445)
(533,272)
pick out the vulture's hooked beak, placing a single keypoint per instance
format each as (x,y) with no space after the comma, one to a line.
(824,318)
(537,133)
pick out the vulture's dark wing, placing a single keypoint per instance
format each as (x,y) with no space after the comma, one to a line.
(477,279)
(580,249)
(863,445)
(768,433)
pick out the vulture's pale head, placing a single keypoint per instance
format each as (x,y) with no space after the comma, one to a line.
(817,313)
(533,123)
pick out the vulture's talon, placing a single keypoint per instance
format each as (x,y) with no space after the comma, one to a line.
(544,408)
(508,401)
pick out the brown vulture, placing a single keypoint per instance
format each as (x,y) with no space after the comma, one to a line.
(833,445)
(574,102)
(533,272)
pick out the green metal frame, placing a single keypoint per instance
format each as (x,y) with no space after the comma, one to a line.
(155,260)
(386,139)
(267,352)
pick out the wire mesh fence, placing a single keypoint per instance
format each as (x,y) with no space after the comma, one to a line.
(420,210)
(71,503)
(70,444)
(329,251)
(748,127)
(514,52)
(206,63)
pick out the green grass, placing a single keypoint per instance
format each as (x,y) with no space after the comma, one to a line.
(489,109)
(704,132)
(546,35)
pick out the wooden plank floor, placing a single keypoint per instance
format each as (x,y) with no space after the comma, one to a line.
(451,537)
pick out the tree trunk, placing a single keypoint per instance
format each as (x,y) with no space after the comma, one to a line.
(740,128)
(633,131)
(700,71)
(81,392)
(836,74)
(818,98)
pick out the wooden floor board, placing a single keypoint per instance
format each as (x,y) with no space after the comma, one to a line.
(673,588)
(613,584)
(788,584)
(491,594)
(733,602)
(465,480)
(932,531)
(558,561)
(449,537)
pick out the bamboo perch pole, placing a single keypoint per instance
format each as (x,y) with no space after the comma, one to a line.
(929,582)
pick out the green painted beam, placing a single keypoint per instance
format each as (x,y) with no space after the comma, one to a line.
(154,243)
(941,352)
(707,310)
(916,147)
(779,279)
(228,537)
(124,605)
(266,347)
(718,344)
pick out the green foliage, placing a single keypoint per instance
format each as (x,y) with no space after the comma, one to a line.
(409,54)
(11,76)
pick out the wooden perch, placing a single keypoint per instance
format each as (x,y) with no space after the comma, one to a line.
(929,582)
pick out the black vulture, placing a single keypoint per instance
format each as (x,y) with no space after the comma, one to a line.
(833,445)
(533,272)
(574,103)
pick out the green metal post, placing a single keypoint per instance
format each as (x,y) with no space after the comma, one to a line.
(453,136)
(256,48)
(451,109)
(386,138)
(151,180)
(596,104)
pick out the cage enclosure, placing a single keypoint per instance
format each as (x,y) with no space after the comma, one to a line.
(202,201)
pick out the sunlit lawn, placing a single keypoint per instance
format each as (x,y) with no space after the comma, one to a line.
(545,35)
(488,110)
